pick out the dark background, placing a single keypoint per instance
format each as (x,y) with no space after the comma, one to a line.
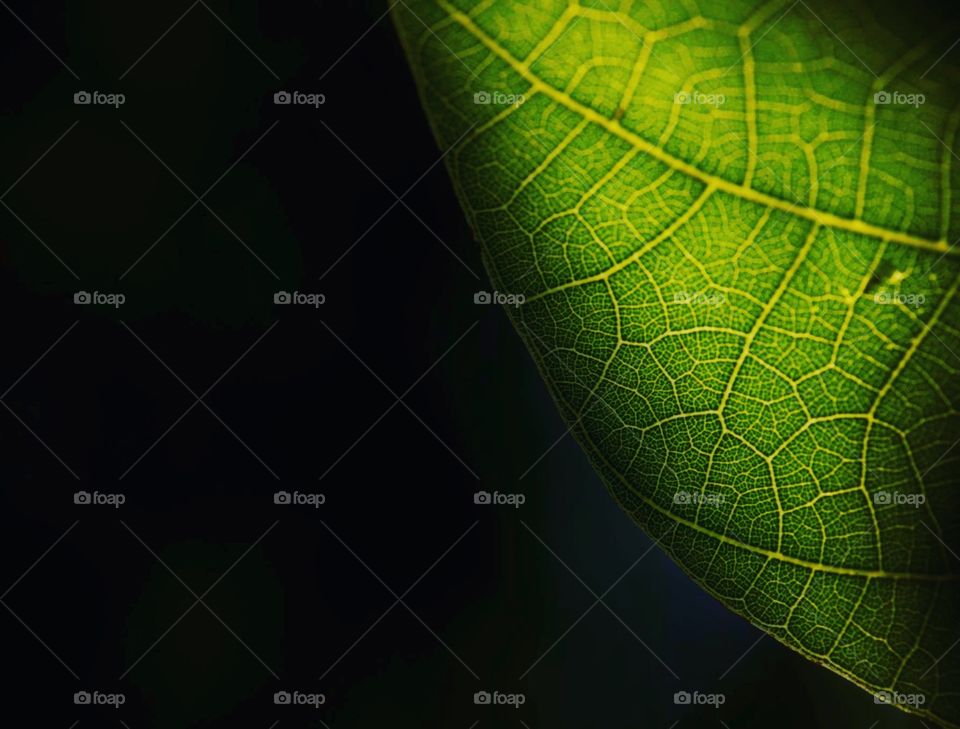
(89,391)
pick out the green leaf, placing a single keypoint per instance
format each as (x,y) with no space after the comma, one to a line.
(739,288)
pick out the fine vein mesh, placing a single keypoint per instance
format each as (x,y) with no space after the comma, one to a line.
(745,304)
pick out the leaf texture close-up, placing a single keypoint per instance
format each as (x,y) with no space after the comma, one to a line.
(732,226)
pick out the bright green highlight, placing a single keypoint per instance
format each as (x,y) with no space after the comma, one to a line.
(740,289)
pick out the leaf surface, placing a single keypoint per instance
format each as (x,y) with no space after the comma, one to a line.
(732,223)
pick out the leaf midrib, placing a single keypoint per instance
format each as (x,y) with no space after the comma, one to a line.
(613,126)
